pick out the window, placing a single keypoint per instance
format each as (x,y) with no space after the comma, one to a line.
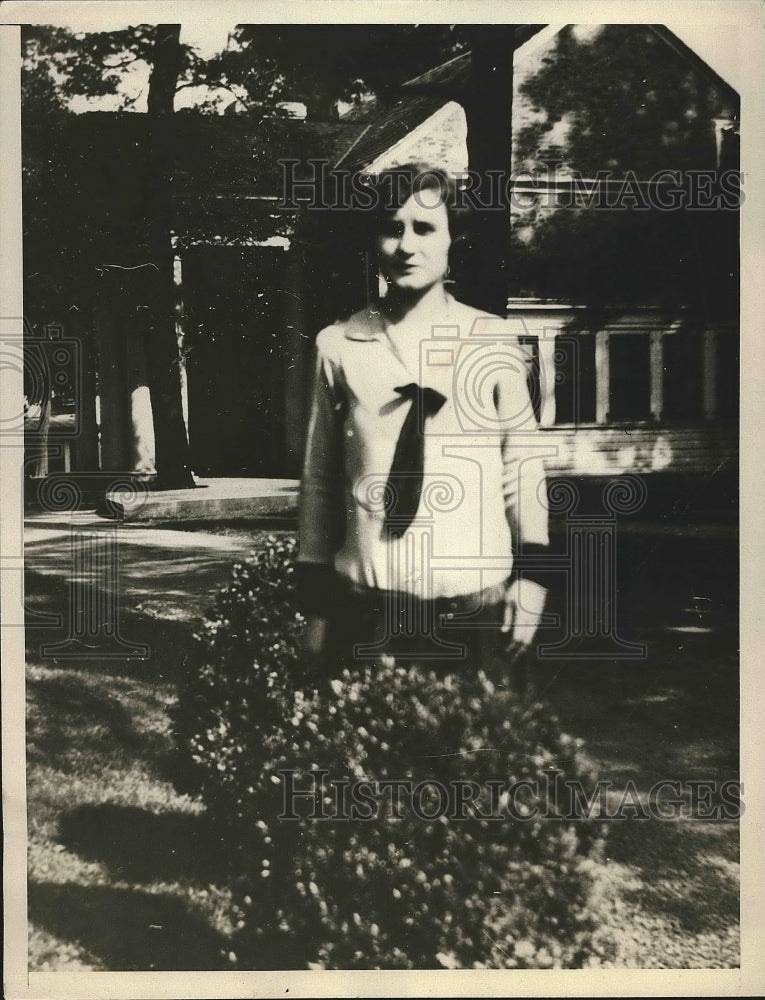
(629,376)
(635,369)
(575,378)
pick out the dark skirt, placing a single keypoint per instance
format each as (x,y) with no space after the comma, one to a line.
(447,633)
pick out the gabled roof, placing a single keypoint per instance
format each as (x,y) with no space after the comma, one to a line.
(424,95)
(388,128)
(450,78)
(419,99)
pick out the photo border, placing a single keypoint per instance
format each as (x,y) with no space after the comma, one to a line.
(750,978)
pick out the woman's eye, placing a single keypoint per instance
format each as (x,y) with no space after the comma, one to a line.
(389,229)
(423,228)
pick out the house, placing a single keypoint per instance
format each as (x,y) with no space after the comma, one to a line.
(627,307)
(635,372)
(240,356)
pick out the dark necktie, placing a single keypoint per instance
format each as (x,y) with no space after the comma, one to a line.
(404,487)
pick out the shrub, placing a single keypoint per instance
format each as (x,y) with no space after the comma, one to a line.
(391,890)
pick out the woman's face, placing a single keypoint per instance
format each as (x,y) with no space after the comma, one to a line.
(413,243)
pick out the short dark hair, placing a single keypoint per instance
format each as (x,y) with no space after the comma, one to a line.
(396,185)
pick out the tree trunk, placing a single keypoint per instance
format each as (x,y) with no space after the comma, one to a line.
(172,446)
(166,65)
(488,110)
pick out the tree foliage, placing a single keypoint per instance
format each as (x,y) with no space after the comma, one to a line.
(618,100)
(59,64)
(317,64)
(320,64)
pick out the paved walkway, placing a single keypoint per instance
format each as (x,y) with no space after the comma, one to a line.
(214,499)
(160,572)
(174,549)
(171,571)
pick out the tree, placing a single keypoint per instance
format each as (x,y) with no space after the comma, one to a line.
(617,98)
(321,64)
(70,239)
(622,100)
(173,458)
(266,66)
(65,65)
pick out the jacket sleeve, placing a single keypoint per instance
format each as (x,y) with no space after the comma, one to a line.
(524,482)
(322,492)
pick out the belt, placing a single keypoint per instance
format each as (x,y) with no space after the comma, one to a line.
(480,598)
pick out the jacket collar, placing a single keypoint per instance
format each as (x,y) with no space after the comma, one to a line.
(364,325)
(367,324)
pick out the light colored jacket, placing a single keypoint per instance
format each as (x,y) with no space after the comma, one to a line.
(484,481)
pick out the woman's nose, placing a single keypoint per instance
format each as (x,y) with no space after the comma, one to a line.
(406,244)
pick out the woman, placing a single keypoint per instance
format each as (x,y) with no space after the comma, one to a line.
(421,475)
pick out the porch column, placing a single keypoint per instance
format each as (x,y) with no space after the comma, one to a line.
(602,387)
(127,420)
(546,347)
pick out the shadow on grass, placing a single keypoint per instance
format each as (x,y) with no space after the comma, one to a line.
(143,846)
(169,641)
(182,571)
(70,712)
(673,715)
(682,867)
(128,930)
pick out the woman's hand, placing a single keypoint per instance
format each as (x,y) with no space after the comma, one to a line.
(524,602)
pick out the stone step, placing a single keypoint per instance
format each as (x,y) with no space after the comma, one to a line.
(213,500)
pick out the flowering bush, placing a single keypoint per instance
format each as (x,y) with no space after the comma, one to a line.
(330,868)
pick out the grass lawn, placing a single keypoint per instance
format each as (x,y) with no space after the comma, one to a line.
(124,872)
